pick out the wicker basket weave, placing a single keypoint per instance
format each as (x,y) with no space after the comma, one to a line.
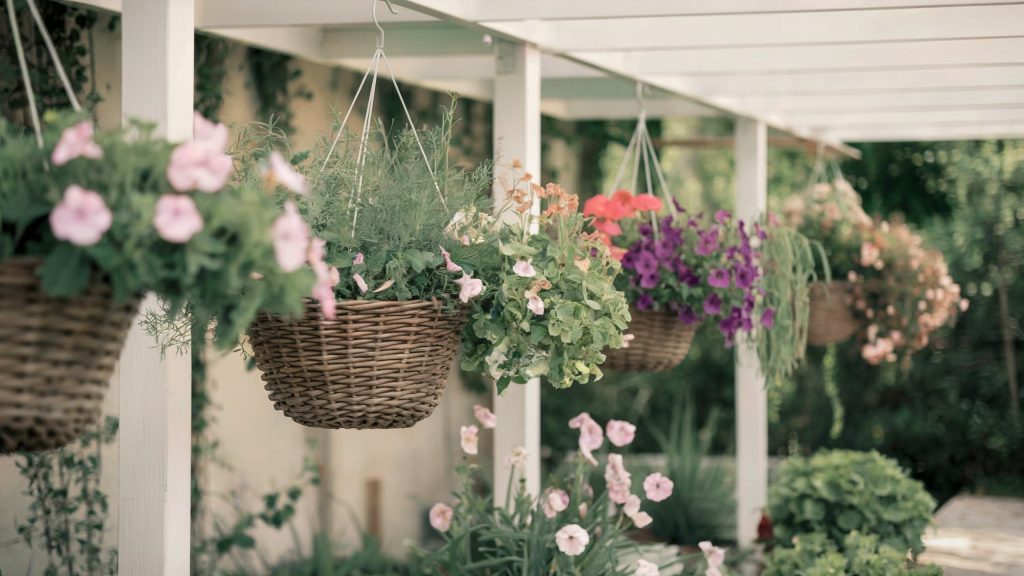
(56,357)
(377,365)
(660,342)
(831,320)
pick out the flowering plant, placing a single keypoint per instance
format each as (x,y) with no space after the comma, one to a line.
(566,529)
(554,309)
(700,268)
(900,290)
(145,215)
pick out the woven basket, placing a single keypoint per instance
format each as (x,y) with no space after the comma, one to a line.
(377,365)
(56,357)
(660,342)
(831,320)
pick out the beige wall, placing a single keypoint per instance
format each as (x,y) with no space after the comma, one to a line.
(261,449)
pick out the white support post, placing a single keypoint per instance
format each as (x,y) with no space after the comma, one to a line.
(517,137)
(751,398)
(155,392)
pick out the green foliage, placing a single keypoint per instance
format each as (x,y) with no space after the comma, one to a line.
(67,519)
(328,559)
(813,554)
(580,313)
(701,506)
(837,492)
(212,277)
(211,55)
(272,74)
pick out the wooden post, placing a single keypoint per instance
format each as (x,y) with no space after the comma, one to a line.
(517,137)
(155,392)
(751,397)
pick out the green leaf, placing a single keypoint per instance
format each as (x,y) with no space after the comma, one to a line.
(66,271)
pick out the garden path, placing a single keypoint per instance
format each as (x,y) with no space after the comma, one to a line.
(978,536)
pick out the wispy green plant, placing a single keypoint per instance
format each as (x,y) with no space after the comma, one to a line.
(702,506)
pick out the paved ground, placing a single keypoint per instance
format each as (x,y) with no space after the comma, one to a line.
(978,536)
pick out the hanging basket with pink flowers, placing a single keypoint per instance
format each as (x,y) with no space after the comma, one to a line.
(89,223)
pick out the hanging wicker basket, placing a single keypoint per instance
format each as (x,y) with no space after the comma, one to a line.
(377,365)
(831,319)
(56,357)
(660,342)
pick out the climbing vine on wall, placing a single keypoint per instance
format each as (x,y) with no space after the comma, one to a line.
(272,79)
(211,55)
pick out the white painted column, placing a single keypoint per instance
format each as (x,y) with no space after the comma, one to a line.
(155,412)
(751,398)
(517,137)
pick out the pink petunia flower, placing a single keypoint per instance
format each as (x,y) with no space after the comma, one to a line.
(176,218)
(657,487)
(641,519)
(469,438)
(534,302)
(469,287)
(448,264)
(620,433)
(280,171)
(555,501)
(618,479)
(591,436)
(645,568)
(714,556)
(360,283)
(524,269)
(291,239)
(359,259)
(441,517)
(486,418)
(81,217)
(327,278)
(632,505)
(518,456)
(572,539)
(75,142)
(201,164)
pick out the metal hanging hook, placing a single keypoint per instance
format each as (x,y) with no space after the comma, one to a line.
(641,93)
(380,31)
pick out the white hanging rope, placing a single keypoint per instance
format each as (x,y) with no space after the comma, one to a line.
(372,73)
(29,93)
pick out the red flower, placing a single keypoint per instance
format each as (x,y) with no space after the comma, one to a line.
(607,227)
(644,202)
(617,252)
(620,206)
(596,206)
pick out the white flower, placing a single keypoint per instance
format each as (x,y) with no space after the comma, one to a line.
(534,303)
(469,439)
(517,457)
(572,539)
(645,568)
(486,418)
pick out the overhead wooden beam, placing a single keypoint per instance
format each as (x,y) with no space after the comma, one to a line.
(1002,131)
(772,29)
(917,99)
(253,14)
(836,121)
(713,142)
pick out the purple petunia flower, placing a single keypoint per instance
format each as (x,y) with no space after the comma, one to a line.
(688,316)
(722,216)
(719,278)
(650,281)
(646,263)
(664,250)
(645,230)
(644,302)
(768,318)
(712,305)
(744,276)
(707,242)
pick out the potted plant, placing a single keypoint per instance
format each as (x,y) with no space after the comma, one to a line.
(91,221)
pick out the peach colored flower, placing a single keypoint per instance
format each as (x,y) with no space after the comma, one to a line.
(620,433)
(441,517)
(657,487)
(469,437)
(572,539)
(280,171)
(81,217)
(75,142)
(176,218)
(486,418)
(291,239)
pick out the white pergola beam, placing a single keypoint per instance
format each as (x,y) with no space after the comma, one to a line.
(623,109)
(250,13)
(751,201)
(517,136)
(938,78)
(155,436)
(970,131)
(771,29)
(904,100)
(422,40)
(479,10)
(827,57)
(836,121)
(464,67)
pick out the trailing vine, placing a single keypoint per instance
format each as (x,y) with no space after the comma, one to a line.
(211,54)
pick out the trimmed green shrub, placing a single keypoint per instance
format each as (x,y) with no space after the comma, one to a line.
(862,555)
(841,491)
